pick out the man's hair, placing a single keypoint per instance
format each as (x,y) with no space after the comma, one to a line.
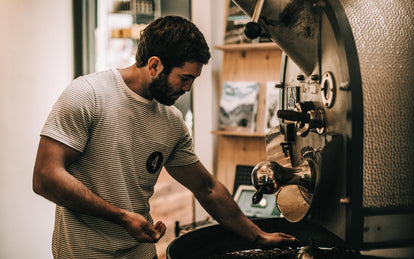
(174,40)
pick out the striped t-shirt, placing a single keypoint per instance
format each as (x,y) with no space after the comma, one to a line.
(125,140)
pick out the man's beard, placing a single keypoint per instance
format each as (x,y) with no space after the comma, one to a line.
(162,90)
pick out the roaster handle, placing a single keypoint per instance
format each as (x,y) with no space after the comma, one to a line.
(258,196)
(293,115)
(252,29)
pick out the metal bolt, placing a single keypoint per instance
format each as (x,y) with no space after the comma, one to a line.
(344,86)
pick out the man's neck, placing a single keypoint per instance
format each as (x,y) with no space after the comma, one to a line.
(137,79)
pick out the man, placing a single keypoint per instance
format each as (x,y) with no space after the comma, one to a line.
(106,140)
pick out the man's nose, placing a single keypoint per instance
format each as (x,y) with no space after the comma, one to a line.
(187,87)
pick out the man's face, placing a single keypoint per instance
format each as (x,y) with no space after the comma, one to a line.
(166,89)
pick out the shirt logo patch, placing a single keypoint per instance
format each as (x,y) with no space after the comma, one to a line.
(154,162)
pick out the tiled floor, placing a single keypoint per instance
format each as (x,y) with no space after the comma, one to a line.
(171,202)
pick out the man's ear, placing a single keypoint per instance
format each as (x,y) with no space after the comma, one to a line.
(155,66)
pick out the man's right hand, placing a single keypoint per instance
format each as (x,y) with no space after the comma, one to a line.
(140,229)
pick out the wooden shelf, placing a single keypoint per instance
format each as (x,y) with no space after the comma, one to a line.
(248,47)
(238,133)
(259,62)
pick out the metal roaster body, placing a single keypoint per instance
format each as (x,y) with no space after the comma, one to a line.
(346,111)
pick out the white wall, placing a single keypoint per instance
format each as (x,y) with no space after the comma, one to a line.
(209,16)
(36,63)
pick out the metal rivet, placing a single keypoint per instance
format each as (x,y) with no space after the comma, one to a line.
(344,86)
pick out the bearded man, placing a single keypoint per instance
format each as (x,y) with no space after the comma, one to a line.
(108,137)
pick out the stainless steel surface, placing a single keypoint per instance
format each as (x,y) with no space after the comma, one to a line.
(293,186)
(292,25)
(294,202)
(257,10)
(385,228)
(313,118)
(270,176)
(384,32)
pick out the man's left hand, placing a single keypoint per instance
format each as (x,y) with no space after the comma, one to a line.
(270,240)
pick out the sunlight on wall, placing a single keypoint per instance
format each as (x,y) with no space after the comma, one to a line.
(36,64)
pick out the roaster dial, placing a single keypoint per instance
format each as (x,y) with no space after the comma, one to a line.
(307,116)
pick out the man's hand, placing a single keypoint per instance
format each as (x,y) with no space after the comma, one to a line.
(140,229)
(270,240)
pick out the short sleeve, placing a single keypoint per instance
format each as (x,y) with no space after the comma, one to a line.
(72,115)
(183,152)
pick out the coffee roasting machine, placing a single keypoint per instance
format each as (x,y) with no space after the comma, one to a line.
(347,114)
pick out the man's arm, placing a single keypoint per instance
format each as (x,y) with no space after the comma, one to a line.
(218,202)
(52,181)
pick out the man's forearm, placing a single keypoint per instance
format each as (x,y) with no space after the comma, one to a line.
(215,198)
(65,190)
(221,206)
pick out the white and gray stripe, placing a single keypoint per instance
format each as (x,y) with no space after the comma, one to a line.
(125,140)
